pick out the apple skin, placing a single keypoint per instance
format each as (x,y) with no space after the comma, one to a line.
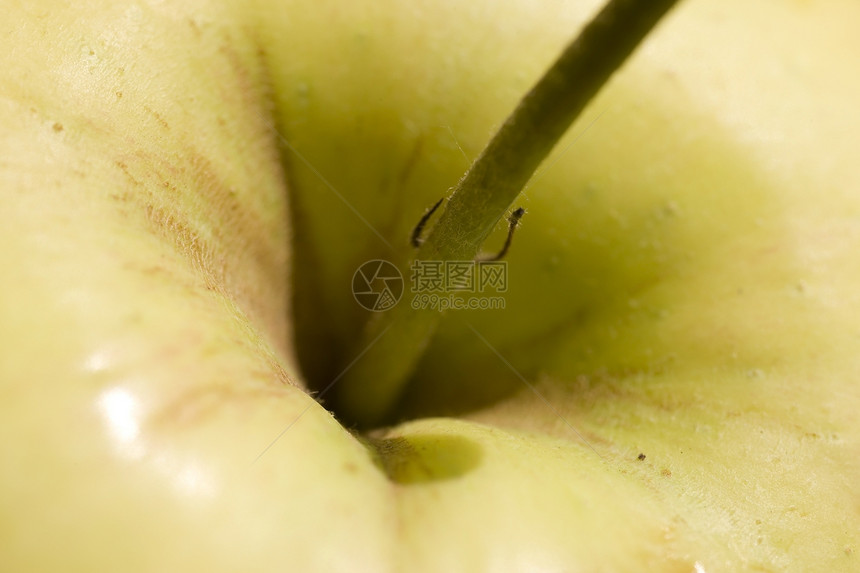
(684,286)
(146,359)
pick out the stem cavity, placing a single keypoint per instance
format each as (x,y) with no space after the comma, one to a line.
(369,391)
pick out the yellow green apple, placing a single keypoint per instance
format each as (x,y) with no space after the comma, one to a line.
(189,187)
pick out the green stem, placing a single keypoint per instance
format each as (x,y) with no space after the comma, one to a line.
(370,389)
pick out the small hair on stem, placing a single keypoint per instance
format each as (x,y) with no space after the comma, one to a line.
(417,239)
(513,221)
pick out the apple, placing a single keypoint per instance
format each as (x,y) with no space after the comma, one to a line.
(189,187)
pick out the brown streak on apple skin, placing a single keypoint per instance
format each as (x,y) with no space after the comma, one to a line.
(219,212)
(179,231)
(195,27)
(280,372)
(251,90)
(158,117)
(123,166)
(202,403)
(224,204)
(350,468)
(192,196)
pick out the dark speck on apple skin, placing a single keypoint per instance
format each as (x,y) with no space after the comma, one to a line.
(640,457)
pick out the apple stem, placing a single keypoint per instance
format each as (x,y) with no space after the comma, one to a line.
(368,391)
